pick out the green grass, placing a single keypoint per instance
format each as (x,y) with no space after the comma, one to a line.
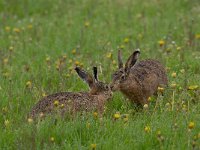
(42,32)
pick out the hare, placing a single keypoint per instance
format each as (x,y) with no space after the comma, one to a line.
(72,102)
(138,80)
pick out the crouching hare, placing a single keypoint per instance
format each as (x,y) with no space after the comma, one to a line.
(72,102)
(138,80)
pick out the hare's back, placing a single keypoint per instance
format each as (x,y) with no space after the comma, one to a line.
(48,103)
(149,66)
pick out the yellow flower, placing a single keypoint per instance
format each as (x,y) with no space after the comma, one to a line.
(28,84)
(48,59)
(62,106)
(77,63)
(174,74)
(30,120)
(6,122)
(109,55)
(161,42)
(191,125)
(5,61)
(147,129)
(146,106)
(17,30)
(7,29)
(44,94)
(95,114)
(114,62)
(74,51)
(178,48)
(197,36)
(93,146)
(173,85)
(70,61)
(64,56)
(122,46)
(193,87)
(160,89)
(11,48)
(167,104)
(117,115)
(30,26)
(149,99)
(56,102)
(52,139)
(87,24)
(126,40)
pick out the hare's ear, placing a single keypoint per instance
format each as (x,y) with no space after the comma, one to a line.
(95,73)
(132,60)
(85,76)
(120,63)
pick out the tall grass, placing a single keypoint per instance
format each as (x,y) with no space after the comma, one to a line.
(42,41)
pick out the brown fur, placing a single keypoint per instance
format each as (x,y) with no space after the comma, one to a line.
(74,102)
(140,80)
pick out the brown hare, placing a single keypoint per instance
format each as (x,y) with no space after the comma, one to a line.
(72,102)
(138,80)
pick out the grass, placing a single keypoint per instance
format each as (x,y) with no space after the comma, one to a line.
(40,43)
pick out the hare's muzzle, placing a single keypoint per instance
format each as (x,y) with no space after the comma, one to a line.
(110,95)
(113,87)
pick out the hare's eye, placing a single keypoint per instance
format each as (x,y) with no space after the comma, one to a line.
(106,87)
(123,77)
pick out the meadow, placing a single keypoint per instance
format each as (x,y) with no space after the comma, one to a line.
(41,42)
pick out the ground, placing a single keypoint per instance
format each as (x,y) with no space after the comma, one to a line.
(42,41)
